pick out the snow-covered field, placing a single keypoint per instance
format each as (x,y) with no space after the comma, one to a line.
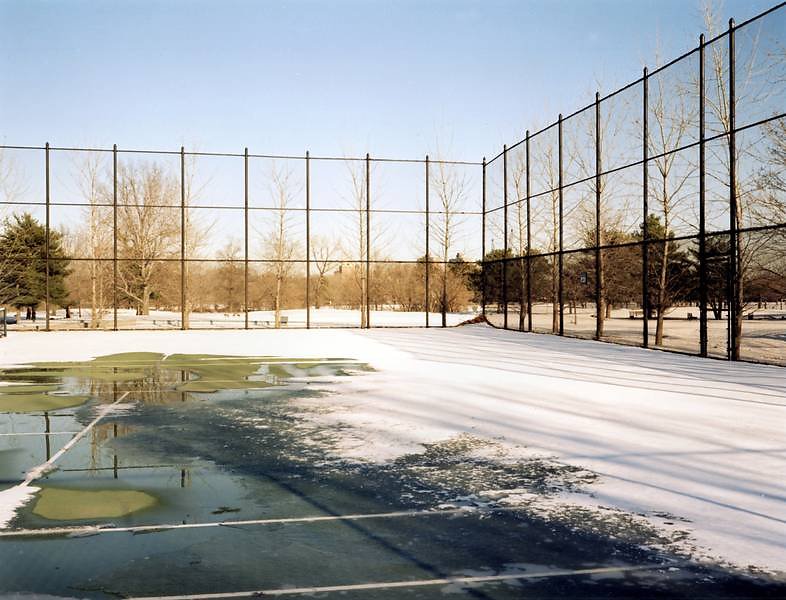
(763,337)
(695,442)
(320,317)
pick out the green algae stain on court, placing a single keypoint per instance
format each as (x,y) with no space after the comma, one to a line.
(21,398)
(159,378)
(59,504)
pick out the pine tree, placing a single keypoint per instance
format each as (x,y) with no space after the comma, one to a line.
(25,278)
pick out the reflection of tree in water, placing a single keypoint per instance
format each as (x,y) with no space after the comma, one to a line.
(151,385)
(152,379)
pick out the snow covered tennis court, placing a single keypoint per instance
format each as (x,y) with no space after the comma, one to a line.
(692,447)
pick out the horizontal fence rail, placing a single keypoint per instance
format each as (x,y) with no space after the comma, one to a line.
(655,216)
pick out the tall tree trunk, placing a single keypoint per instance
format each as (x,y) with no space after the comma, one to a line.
(277,298)
(363,280)
(554,294)
(523,297)
(144,305)
(554,264)
(95,318)
(318,290)
(186,302)
(738,291)
(661,304)
(602,310)
(444,302)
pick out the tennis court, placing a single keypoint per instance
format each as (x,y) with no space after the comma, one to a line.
(167,473)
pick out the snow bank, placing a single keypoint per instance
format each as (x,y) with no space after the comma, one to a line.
(12,499)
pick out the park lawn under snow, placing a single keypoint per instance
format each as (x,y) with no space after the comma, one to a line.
(675,438)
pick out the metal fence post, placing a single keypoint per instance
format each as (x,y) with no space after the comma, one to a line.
(734,279)
(46,242)
(529,240)
(561,258)
(114,237)
(245,238)
(428,266)
(599,303)
(505,237)
(702,203)
(483,274)
(182,237)
(308,240)
(645,234)
(368,241)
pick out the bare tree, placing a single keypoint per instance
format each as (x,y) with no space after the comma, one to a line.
(752,207)
(10,191)
(281,248)
(547,218)
(196,234)
(607,189)
(449,186)
(323,253)
(96,239)
(148,229)
(673,117)
(230,275)
(358,235)
(517,174)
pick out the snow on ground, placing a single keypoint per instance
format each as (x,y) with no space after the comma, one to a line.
(671,437)
(168,319)
(763,335)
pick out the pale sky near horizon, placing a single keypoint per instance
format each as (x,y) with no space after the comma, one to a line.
(335,77)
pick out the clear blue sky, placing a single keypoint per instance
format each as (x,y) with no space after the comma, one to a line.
(336,77)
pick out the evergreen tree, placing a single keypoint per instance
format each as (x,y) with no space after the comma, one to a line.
(717,254)
(25,278)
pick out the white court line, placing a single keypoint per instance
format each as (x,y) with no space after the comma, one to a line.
(38,433)
(403,584)
(93,529)
(41,469)
(14,497)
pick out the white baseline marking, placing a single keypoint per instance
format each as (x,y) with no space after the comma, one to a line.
(93,529)
(14,497)
(403,584)
(38,433)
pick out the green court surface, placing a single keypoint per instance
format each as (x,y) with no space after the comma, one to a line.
(199,476)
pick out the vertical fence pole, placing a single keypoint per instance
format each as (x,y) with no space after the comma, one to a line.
(561,258)
(599,304)
(368,241)
(483,274)
(734,283)
(529,241)
(428,266)
(114,237)
(245,238)
(645,233)
(182,237)
(702,203)
(505,237)
(308,240)
(46,242)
